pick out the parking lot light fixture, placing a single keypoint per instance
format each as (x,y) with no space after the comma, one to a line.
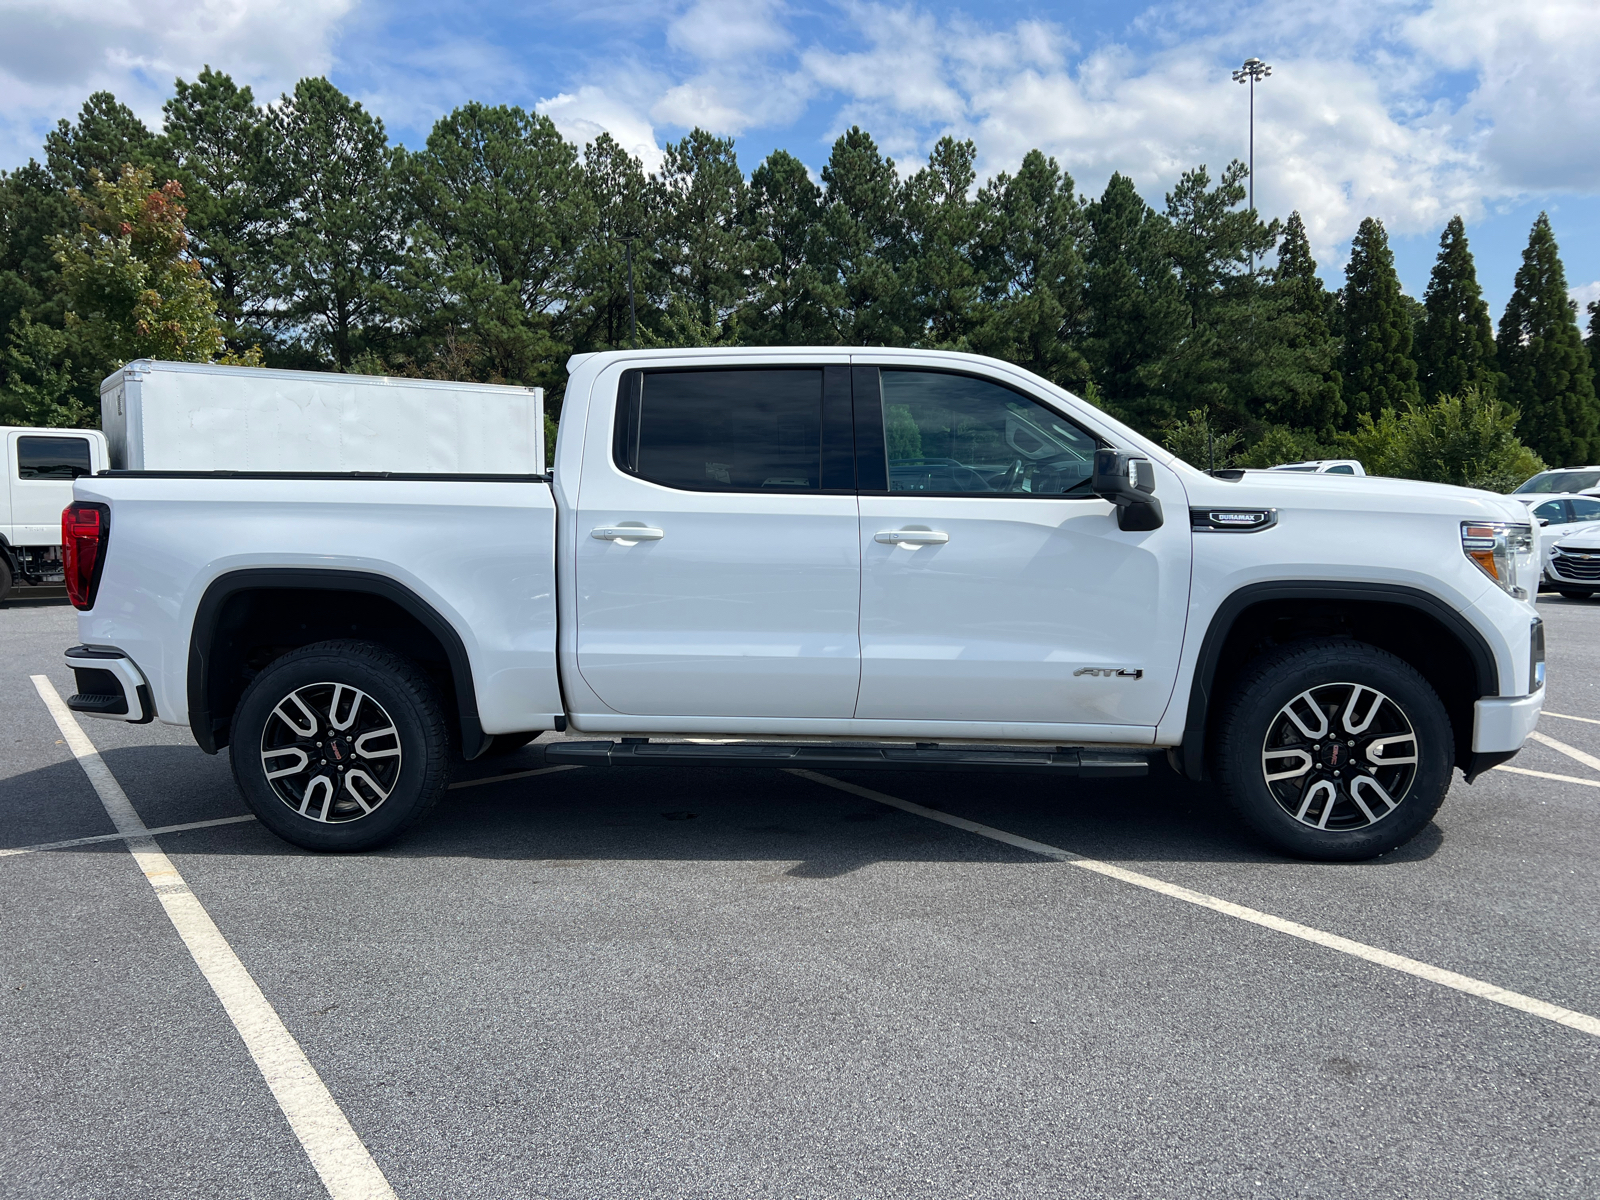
(1252,70)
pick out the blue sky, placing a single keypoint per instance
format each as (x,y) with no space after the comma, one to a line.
(1409,110)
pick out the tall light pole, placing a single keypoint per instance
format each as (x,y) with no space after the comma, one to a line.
(1252,70)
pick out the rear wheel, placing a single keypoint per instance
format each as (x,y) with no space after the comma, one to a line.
(5,578)
(1335,750)
(340,746)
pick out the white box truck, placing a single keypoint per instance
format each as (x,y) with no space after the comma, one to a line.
(168,416)
(41,464)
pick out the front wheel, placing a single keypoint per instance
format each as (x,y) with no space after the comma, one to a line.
(340,746)
(1575,593)
(1334,750)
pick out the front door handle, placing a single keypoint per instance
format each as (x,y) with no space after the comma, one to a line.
(912,537)
(627,533)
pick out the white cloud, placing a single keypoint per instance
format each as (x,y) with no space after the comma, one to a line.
(55,52)
(584,114)
(1583,297)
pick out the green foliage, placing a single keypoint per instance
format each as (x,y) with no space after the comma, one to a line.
(1377,367)
(131,289)
(337,264)
(1468,439)
(1455,340)
(498,249)
(1200,444)
(901,436)
(1546,365)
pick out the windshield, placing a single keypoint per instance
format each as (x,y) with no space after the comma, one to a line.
(1560,481)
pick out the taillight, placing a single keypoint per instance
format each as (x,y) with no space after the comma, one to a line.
(84,531)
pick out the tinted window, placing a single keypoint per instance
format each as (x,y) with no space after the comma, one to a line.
(723,431)
(1344,469)
(52,457)
(1585,510)
(956,434)
(1561,481)
(1552,511)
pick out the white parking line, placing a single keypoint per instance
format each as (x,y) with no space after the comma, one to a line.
(517,775)
(1571,752)
(117,837)
(347,1170)
(1384,958)
(1566,717)
(1547,775)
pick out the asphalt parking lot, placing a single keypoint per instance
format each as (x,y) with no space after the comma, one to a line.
(696,983)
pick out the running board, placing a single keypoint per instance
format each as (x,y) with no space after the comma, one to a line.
(1064,760)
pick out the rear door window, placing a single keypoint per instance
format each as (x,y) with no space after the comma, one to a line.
(722,431)
(1585,510)
(52,457)
(949,434)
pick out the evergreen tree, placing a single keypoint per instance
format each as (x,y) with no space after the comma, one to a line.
(504,210)
(1592,342)
(1299,384)
(1135,301)
(337,265)
(225,157)
(1377,366)
(942,223)
(625,207)
(782,219)
(105,138)
(1031,266)
(1216,366)
(1546,365)
(1455,340)
(861,252)
(702,197)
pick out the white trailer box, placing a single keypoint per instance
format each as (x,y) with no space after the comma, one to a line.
(167,416)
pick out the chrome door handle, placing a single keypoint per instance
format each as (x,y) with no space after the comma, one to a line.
(627,533)
(913,537)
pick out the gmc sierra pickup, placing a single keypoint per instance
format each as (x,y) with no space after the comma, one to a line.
(831,558)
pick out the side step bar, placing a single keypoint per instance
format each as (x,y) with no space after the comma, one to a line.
(1064,760)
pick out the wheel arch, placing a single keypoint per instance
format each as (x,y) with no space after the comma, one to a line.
(221,650)
(1415,626)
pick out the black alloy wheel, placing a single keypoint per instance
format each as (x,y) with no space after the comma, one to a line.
(1333,749)
(340,745)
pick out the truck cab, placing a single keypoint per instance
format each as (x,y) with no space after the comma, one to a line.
(40,465)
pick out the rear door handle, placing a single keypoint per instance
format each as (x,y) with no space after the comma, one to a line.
(627,533)
(912,537)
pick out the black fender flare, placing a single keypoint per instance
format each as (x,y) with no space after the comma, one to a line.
(1227,613)
(473,740)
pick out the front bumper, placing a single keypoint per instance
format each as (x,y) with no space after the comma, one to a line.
(1500,724)
(109,685)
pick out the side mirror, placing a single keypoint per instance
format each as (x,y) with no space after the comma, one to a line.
(1128,481)
(1543,521)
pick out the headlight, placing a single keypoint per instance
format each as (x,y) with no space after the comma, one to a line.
(1503,552)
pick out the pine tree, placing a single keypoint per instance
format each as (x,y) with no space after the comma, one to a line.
(1136,311)
(861,252)
(225,157)
(942,221)
(783,219)
(1300,385)
(1546,365)
(1592,342)
(337,265)
(1376,364)
(106,137)
(702,247)
(626,210)
(1031,269)
(1455,341)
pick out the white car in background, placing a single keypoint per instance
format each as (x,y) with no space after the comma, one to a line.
(1565,480)
(1324,466)
(1573,567)
(1558,517)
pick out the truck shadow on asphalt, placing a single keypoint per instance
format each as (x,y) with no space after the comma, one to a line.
(707,814)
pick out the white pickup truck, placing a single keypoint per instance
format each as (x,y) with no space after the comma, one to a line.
(832,558)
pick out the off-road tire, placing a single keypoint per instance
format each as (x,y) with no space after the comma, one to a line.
(395,688)
(1257,707)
